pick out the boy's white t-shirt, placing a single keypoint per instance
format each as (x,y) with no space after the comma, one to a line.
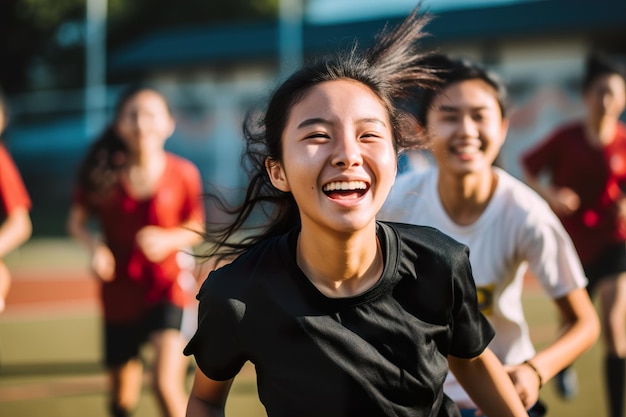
(517,231)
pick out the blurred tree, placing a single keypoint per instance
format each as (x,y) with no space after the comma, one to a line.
(42,40)
(28,31)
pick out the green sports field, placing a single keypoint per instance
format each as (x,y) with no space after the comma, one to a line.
(49,345)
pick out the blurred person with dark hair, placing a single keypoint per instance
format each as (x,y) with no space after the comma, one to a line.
(585,162)
(15,204)
(508,228)
(148,206)
(340,314)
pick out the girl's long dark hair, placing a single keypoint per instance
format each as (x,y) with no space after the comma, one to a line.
(107,156)
(391,68)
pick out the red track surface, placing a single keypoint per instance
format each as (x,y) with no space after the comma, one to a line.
(34,290)
(52,286)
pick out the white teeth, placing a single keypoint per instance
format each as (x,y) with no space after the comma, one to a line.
(345,186)
(466,148)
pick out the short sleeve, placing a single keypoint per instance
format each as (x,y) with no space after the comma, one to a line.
(216,345)
(551,255)
(471,331)
(541,155)
(194,205)
(13,193)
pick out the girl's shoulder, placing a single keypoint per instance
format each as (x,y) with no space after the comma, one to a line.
(425,241)
(179,162)
(266,258)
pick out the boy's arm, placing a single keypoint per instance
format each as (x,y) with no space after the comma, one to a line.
(487,383)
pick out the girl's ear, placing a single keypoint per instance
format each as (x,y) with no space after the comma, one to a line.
(277,175)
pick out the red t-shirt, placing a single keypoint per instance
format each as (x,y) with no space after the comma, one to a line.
(139,283)
(13,193)
(597,175)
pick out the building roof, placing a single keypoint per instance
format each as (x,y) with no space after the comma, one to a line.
(220,44)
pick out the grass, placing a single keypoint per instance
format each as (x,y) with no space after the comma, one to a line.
(49,361)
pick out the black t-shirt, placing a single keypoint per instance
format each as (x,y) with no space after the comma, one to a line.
(380,353)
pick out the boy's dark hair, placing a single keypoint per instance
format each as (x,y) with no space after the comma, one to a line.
(599,64)
(452,70)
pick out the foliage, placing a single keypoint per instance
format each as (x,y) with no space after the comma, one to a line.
(43,39)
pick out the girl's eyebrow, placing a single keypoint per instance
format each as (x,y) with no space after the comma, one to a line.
(313,121)
(452,109)
(320,120)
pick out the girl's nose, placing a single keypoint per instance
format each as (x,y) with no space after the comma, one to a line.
(347,151)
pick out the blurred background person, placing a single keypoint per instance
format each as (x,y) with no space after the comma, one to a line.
(147,203)
(506,225)
(15,223)
(585,165)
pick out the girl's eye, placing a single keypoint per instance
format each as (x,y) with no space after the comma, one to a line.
(372,135)
(317,135)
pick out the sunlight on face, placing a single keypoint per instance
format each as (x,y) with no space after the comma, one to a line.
(144,122)
(466,126)
(339,160)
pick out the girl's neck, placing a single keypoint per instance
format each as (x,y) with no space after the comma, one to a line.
(144,172)
(146,160)
(340,266)
(466,197)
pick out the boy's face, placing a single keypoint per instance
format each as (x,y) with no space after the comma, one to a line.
(466,126)
(605,98)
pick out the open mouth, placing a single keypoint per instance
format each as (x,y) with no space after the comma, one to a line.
(345,189)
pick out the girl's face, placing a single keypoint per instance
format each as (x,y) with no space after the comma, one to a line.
(144,122)
(339,161)
(606,97)
(466,127)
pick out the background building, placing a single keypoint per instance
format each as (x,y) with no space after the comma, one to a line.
(214,74)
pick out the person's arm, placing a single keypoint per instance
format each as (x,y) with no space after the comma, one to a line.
(158,242)
(14,230)
(207,397)
(487,383)
(5,284)
(102,260)
(562,200)
(581,328)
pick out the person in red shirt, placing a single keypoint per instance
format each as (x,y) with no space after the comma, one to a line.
(148,205)
(15,204)
(585,161)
